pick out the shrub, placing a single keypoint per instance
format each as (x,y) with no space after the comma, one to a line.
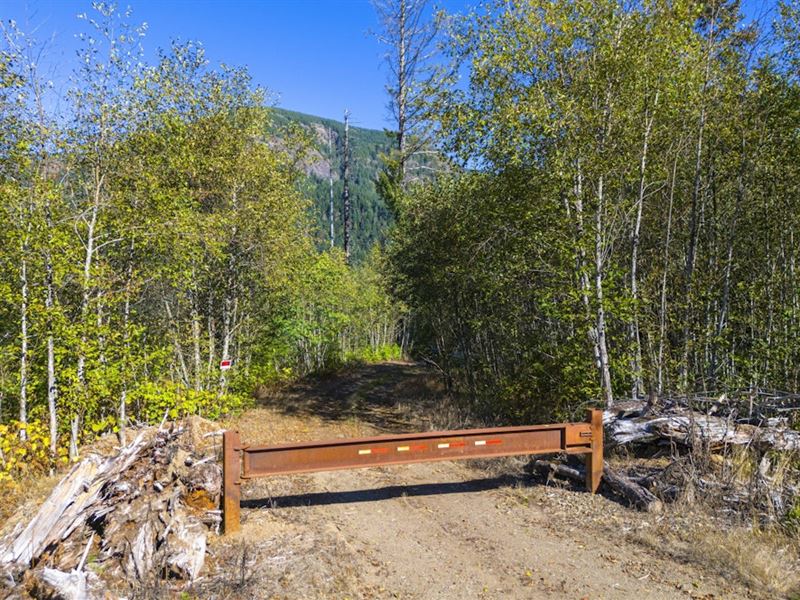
(151,401)
(23,458)
(379,354)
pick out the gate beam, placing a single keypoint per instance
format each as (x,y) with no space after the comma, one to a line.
(246,462)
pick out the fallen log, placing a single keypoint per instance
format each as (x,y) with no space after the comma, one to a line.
(74,585)
(637,496)
(69,504)
(548,469)
(689,428)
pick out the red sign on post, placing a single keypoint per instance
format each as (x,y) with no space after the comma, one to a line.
(224,365)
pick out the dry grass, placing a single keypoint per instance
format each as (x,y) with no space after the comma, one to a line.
(766,561)
(18,499)
(279,560)
(722,520)
(11,496)
(266,425)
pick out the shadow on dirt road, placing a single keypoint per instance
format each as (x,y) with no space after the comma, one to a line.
(384,493)
(385,395)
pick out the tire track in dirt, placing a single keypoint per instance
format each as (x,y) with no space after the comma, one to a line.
(476,544)
(407,550)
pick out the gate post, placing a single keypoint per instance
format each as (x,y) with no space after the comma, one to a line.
(594,461)
(231,481)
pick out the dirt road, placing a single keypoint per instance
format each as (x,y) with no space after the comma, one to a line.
(438,530)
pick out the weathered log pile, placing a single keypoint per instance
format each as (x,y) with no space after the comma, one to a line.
(134,518)
(742,458)
(681,425)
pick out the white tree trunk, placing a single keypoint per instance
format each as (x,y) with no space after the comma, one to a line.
(637,388)
(605,370)
(662,325)
(196,344)
(580,264)
(23,361)
(85,294)
(52,386)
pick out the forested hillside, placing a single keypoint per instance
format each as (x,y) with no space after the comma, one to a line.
(371,216)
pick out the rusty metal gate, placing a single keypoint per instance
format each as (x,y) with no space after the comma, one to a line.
(243,462)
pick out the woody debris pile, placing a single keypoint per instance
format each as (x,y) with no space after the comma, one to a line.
(131,520)
(739,453)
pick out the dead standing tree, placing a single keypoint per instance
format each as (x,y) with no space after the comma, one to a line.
(346,224)
(410,41)
(330,185)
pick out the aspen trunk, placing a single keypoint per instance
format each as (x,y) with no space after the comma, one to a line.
(580,263)
(196,342)
(637,388)
(23,361)
(126,315)
(605,370)
(662,324)
(84,310)
(52,385)
(694,222)
(226,342)
(176,343)
(230,303)
(212,346)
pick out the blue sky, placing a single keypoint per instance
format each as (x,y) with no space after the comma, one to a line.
(318,56)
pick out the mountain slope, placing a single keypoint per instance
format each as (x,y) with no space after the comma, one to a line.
(370,216)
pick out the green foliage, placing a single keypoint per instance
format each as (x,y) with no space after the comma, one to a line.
(158,231)
(379,354)
(792,519)
(627,218)
(492,299)
(331,313)
(153,401)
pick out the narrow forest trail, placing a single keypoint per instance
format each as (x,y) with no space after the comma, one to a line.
(436,530)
